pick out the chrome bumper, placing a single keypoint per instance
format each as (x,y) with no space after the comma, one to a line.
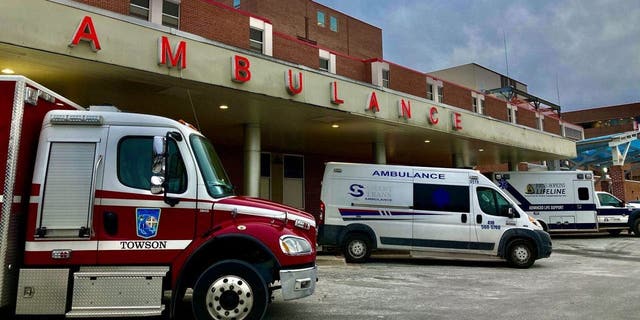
(298,283)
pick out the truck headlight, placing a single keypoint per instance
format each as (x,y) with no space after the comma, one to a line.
(295,246)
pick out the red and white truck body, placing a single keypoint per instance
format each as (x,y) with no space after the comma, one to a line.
(111,214)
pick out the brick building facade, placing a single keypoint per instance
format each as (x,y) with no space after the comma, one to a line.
(302,28)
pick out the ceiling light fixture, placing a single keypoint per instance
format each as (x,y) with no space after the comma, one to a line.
(481,150)
(7,71)
(224,107)
(427,141)
(335,125)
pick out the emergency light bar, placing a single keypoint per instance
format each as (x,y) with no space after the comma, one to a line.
(81,119)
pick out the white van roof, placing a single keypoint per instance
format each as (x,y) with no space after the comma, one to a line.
(402,173)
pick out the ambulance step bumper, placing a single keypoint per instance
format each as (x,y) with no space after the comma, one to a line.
(131,291)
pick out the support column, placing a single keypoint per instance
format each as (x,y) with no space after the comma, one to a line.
(252,159)
(380,153)
(617,181)
(461,160)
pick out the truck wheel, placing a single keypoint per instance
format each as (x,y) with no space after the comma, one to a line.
(520,254)
(230,289)
(357,248)
(636,227)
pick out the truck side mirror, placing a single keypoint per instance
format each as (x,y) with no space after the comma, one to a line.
(158,168)
(510,212)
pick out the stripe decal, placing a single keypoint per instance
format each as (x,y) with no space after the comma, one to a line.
(46,246)
(183,204)
(349,214)
(444,244)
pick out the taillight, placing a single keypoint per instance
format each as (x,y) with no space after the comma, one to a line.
(321,213)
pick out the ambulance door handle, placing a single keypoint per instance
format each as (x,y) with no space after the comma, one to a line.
(479,219)
(463,218)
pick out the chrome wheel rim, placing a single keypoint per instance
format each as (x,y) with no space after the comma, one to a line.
(229,297)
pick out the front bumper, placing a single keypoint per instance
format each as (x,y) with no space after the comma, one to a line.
(298,283)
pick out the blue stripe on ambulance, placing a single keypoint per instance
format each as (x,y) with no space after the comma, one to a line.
(365,214)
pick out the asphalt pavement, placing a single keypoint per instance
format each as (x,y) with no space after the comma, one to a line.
(593,276)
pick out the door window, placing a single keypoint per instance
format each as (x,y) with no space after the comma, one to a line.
(492,203)
(134,164)
(609,200)
(436,197)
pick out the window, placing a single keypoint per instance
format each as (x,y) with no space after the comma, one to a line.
(609,200)
(492,203)
(477,102)
(321,19)
(512,112)
(135,160)
(333,24)
(324,64)
(429,91)
(139,9)
(265,164)
(436,197)
(255,40)
(583,193)
(293,166)
(385,78)
(215,178)
(170,14)
(440,93)
(236,4)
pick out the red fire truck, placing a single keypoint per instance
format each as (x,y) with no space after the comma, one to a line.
(112,214)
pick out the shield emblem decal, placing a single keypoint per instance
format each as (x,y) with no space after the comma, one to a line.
(148,222)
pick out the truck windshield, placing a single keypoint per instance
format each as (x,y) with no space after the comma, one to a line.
(215,179)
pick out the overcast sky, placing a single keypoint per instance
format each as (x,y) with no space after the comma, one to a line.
(588,49)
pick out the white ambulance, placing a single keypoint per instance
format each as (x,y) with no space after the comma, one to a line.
(565,201)
(431,212)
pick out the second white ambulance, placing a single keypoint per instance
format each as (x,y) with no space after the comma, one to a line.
(432,212)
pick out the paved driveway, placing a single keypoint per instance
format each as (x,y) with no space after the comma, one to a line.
(587,277)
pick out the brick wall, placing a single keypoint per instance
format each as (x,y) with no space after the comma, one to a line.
(119,6)
(407,80)
(526,118)
(350,68)
(296,52)
(495,108)
(604,131)
(552,125)
(298,19)
(214,22)
(365,41)
(617,181)
(605,113)
(456,96)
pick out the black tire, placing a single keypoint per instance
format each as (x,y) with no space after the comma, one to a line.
(520,254)
(356,248)
(615,232)
(636,227)
(230,289)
